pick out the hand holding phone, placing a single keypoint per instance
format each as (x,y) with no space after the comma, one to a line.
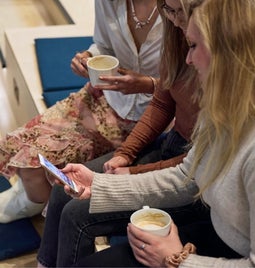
(57,173)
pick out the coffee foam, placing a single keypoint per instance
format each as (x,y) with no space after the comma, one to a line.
(102,63)
(151,221)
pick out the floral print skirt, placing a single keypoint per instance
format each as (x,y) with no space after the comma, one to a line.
(76,129)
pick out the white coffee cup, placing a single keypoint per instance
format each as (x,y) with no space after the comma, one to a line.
(152,220)
(101,65)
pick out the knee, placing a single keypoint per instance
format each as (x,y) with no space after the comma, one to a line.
(57,201)
(76,211)
(30,174)
(98,163)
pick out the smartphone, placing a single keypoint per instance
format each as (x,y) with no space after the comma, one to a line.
(57,173)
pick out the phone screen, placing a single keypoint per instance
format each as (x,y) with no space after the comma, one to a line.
(57,173)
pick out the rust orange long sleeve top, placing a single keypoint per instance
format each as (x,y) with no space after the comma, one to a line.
(166,105)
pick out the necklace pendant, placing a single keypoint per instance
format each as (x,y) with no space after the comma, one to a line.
(138,25)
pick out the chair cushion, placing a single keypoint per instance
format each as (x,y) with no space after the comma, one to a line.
(51,97)
(54,57)
(17,237)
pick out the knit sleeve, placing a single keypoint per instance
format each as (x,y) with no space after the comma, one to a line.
(169,187)
(195,261)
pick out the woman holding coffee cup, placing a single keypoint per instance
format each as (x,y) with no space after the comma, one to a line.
(219,168)
(91,122)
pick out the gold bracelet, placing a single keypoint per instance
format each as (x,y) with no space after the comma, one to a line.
(177,258)
(154,82)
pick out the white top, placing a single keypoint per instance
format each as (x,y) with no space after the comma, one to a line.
(112,36)
(231,199)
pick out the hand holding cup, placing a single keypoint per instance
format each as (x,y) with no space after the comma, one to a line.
(102,65)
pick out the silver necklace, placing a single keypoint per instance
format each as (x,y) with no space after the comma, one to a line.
(140,24)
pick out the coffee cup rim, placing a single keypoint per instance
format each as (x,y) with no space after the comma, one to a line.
(100,56)
(154,209)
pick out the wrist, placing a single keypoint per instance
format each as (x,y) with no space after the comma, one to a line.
(175,259)
(154,83)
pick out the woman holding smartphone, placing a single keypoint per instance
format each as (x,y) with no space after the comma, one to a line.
(218,169)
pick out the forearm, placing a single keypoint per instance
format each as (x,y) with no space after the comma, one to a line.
(148,84)
(142,135)
(172,162)
(153,122)
(162,188)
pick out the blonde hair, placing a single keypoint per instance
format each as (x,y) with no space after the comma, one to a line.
(174,50)
(228,102)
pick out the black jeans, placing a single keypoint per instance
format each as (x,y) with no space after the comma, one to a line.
(194,225)
(207,243)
